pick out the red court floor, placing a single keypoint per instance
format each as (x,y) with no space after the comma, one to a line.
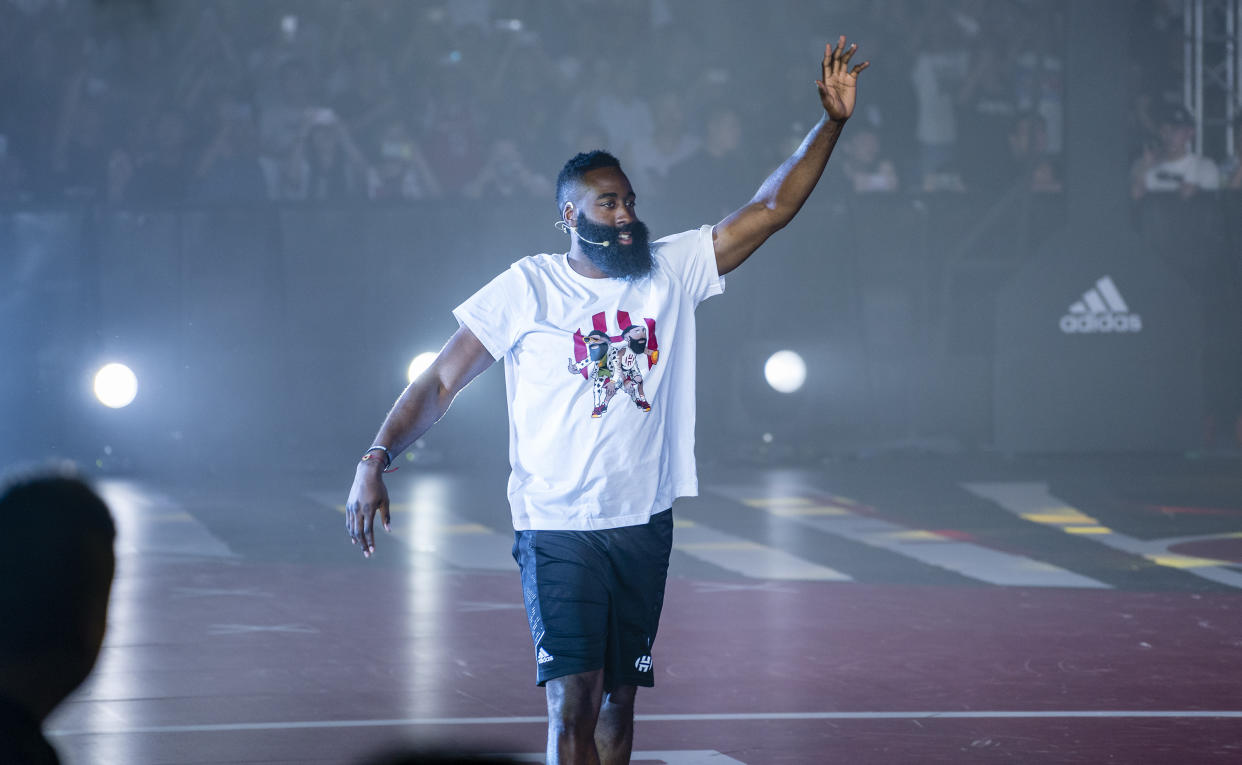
(895,610)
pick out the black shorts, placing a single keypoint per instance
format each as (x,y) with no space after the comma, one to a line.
(593,598)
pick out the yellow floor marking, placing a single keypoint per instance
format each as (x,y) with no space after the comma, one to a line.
(1087,530)
(1064,516)
(1185,561)
(683,523)
(918,535)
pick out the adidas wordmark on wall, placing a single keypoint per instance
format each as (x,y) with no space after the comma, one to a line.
(1102,309)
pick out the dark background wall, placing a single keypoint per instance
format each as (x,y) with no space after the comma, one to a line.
(283,334)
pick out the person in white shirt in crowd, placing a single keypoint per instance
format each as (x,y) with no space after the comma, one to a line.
(1171,166)
(1231,169)
(591,491)
(867,168)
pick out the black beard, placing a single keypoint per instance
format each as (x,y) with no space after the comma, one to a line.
(632,261)
(638,346)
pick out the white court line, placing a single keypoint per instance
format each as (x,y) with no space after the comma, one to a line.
(669,757)
(706,717)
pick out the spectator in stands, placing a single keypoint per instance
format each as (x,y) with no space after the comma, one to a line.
(324,163)
(283,113)
(619,108)
(229,170)
(10,173)
(402,171)
(1231,171)
(54,601)
(335,167)
(1171,166)
(670,146)
(507,174)
(865,166)
(1029,160)
(938,72)
(79,146)
(286,175)
(455,149)
(701,184)
(987,110)
(164,175)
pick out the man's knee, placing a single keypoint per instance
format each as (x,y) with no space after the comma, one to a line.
(621,697)
(574,700)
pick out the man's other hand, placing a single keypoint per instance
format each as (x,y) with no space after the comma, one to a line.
(367,496)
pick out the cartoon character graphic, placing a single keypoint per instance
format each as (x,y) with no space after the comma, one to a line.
(611,362)
(624,356)
(600,371)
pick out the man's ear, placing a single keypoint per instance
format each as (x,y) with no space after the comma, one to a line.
(567,213)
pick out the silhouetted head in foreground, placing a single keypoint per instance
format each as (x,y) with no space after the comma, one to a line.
(56,566)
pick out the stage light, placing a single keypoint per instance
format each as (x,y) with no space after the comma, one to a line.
(420,364)
(115,385)
(785,371)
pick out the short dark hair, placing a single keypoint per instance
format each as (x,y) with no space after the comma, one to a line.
(597,333)
(578,166)
(58,534)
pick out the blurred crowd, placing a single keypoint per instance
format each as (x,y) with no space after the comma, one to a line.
(236,101)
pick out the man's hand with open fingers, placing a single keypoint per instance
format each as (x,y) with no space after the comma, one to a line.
(838,88)
(367,496)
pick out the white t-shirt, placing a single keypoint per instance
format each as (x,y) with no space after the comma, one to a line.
(1190,168)
(573,470)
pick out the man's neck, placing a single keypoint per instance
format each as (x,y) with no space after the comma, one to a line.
(580,263)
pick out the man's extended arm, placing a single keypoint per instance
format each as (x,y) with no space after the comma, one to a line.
(422,403)
(784,192)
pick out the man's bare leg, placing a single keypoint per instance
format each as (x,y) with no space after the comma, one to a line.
(573,709)
(614,733)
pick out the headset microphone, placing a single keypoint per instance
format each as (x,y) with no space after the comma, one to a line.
(563,226)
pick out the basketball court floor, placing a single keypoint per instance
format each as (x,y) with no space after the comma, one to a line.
(898,609)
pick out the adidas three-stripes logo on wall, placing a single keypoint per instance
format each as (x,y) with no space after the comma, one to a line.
(1102,309)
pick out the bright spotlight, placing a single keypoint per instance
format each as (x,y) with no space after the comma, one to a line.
(785,371)
(115,385)
(420,364)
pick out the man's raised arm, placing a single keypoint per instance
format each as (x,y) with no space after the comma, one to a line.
(422,403)
(783,193)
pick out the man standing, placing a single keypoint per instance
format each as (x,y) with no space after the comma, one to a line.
(591,497)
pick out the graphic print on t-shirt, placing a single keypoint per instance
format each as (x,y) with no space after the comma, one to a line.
(611,362)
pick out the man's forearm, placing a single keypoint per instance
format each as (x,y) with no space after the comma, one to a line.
(788,187)
(419,407)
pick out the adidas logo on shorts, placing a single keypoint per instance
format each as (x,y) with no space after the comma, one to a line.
(543,657)
(1102,309)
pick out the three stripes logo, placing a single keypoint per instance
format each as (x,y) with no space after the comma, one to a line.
(543,657)
(1102,309)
